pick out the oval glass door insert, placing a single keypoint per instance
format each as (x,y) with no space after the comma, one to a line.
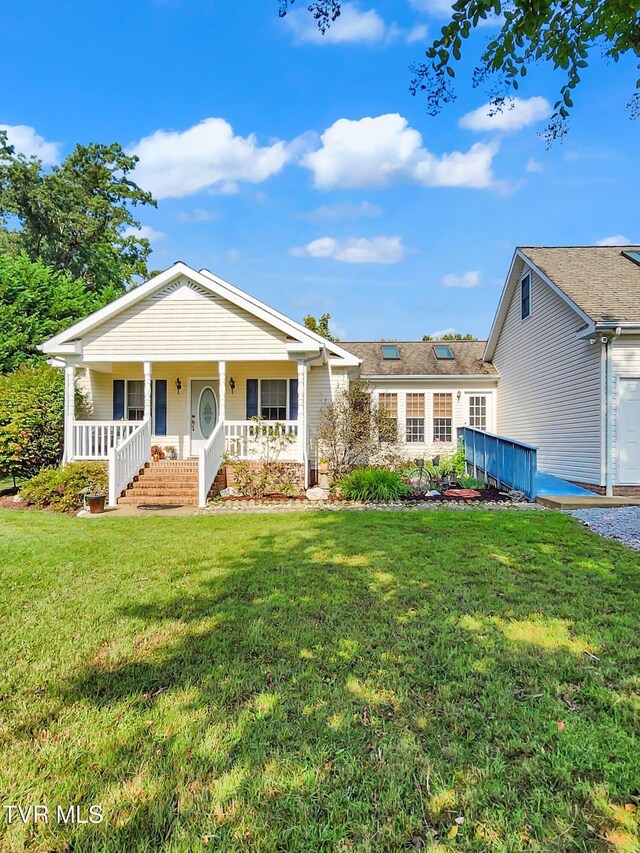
(207,412)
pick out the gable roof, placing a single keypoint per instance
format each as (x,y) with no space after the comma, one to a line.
(301,336)
(598,282)
(417,358)
(599,279)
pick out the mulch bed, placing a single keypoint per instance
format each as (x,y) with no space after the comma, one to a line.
(488,494)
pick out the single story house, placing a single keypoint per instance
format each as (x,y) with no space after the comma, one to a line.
(187,360)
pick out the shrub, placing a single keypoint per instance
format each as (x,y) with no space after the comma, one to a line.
(61,489)
(373,484)
(31,420)
(354,431)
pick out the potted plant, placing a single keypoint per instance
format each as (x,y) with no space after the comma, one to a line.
(157,453)
(170,452)
(93,498)
(323,465)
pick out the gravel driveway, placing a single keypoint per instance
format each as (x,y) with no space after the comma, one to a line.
(619,523)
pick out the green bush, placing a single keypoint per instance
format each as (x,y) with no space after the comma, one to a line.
(61,489)
(472,483)
(373,484)
(31,420)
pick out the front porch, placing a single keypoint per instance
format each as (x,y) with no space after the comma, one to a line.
(199,411)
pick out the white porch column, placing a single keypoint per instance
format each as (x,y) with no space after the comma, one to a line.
(302,417)
(147,390)
(69,410)
(222,389)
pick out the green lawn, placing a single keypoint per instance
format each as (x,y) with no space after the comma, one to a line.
(312,682)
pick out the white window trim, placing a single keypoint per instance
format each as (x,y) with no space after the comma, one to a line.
(526,275)
(284,379)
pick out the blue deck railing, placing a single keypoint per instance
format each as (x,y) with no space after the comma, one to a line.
(506,461)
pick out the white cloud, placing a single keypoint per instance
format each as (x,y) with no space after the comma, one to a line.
(375,152)
(145,231)
(352,26)
(615,240)
(466,280)
(174,164)
(515,114)
(534,165)
(26,141)
(341,212)
(417,33)
(354,250)
(442,332)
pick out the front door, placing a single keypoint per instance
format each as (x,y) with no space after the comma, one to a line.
(204,412)
(628,468)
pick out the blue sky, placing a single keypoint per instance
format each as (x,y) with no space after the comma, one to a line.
(303,170)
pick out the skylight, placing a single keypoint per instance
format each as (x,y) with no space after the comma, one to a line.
(390,351)
(633,256)
(443,351)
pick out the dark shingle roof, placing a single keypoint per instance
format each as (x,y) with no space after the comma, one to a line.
(417,358)
(598,279)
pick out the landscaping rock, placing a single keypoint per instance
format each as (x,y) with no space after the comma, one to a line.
(230,492)
(317,494)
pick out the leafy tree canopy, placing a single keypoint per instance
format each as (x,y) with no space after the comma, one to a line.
(31,420)
(558,32)
(320,326)
(450,336)
(76,217)
(36,303)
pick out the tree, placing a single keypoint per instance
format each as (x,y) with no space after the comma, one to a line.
(562,33)
(31,420)
(75,217)
(36,303)
(450,336)
(320,326)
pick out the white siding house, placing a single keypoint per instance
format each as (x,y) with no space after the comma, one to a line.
(566,344)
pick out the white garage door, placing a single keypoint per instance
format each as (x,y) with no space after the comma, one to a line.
(628,468)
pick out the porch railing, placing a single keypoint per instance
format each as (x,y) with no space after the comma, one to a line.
(128,458)
(509,462)
(94,439)
(210,459)
(246,439)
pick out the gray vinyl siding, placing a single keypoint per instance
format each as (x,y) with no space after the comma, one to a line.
(549,393)
(625,364)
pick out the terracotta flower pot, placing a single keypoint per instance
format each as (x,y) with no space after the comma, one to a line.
(96,503)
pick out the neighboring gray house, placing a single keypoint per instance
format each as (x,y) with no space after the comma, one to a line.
(566,344)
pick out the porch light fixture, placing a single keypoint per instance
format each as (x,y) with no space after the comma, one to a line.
(458,395)
(232,384)
(178,385)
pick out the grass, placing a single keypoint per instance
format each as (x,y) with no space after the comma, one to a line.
(320,682)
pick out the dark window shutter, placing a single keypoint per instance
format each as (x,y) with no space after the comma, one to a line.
(252,398)
(293,399)
(118,399)
(160,413)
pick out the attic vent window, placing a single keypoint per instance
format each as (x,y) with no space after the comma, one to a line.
(390,352)
(633,256)
(443,351)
